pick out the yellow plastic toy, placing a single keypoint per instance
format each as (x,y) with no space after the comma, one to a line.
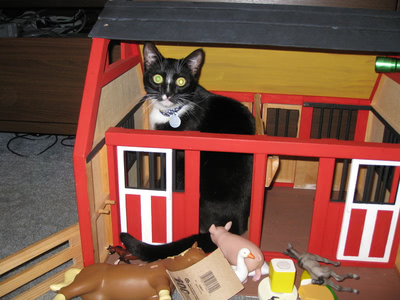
(282,274)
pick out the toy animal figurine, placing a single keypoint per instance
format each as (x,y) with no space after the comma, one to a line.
(230,244)
(124,255)
(125,282)
(320,274)
(240,269)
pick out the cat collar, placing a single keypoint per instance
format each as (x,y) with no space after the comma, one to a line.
(174,120)
(171,111)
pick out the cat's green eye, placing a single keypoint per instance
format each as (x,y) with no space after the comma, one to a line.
(180,81)
(158,79)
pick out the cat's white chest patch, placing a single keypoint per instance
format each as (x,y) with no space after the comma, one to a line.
(156,117)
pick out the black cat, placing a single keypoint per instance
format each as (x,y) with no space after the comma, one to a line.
(180,103)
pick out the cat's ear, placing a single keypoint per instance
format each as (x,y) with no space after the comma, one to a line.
(195,61)
(150,55)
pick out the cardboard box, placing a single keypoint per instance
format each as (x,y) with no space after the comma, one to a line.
(212,278)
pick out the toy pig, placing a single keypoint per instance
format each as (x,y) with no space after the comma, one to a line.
(230,244)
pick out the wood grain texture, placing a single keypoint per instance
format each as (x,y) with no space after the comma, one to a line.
(386,101)
(73,252)
(117,100)
(42,83)
(375,129)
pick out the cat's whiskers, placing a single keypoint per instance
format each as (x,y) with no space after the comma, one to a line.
(190,111)
(197,102)
(186,99)
(193,115)
(147,102)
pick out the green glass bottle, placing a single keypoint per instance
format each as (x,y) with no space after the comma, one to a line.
(387,64)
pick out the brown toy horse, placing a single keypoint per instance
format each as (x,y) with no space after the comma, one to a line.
(139,282)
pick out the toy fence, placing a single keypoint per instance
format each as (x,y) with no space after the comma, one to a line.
(330,119)
(69,251)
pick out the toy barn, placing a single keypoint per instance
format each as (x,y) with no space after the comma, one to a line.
(330,122)
(326,153)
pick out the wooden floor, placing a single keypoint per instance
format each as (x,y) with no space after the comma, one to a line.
(287,218)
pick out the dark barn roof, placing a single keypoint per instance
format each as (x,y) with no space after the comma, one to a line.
(288,26)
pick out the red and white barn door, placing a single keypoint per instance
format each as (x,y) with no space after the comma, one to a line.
(145,208)
(369,228)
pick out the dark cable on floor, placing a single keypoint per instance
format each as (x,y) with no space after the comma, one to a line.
(31,138)
(66,139)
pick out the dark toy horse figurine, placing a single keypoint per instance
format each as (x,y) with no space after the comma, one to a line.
(124,255)
(126,282)
(320,274)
